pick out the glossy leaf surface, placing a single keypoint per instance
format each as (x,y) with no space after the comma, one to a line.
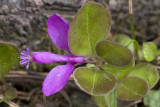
(146,71)
(132,88)
(90,25)
(9,56)
(114,53)
(93,81)
(119,72)
(149,51)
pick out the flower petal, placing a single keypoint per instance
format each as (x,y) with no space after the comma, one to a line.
(76,59)
(56,79)
(58,29)
(47,58)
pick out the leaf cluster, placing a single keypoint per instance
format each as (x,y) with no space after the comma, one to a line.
(120,63)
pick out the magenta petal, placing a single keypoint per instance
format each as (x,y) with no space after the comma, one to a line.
(56,79)
(76,59)
(47,58)
(58,29)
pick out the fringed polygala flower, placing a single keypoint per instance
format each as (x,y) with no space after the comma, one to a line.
(56,79)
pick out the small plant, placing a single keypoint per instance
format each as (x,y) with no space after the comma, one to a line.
(111,68)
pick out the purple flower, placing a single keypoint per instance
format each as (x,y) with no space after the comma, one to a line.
(57,78)
(25,58)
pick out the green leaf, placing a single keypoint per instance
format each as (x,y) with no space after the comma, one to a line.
(138,50)
(94,81)
(122,39)
(90,65)
(90,25)
(158,52)
(119,72)
(152,99)
(125,41)
(133,45)
(10,94)
(102,101)
(114,53)
(146,71)
(149,51)
(132,88)
(9,57)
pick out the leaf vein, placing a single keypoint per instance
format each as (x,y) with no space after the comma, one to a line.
(88,32)
(131,90)
(93,83)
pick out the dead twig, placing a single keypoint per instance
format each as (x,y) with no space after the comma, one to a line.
(10,103)
(26,95)
(135,102)
(25,77)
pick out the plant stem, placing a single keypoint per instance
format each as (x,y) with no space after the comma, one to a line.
(131,19)
(2,100)
(113,98)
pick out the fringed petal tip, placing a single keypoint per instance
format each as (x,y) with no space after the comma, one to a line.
(56,79)
(25,58)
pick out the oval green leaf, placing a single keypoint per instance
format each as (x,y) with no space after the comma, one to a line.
(122,39)
(9,56)
(133,45)
(149,51)
(119,72)
(132,88)
(90,25)
(125,41)
(10,94)
(93,81)
(114,53)
(146,71)
(152,99)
